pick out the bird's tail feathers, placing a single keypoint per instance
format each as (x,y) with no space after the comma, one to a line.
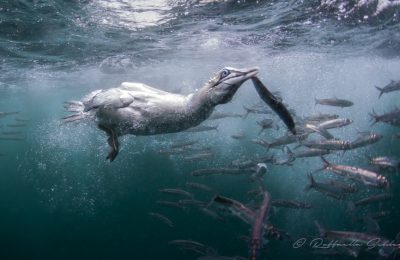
(77,108)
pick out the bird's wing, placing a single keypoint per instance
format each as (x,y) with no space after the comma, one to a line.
(143,88)
(111,99)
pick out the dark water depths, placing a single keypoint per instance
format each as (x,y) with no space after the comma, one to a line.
(60,199)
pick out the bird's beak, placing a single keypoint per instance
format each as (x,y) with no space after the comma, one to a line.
(249,72)
(240,75)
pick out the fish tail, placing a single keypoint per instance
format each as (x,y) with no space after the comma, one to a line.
(311,184)
(369,158)
(374,117)
(380,90)
(290,154)
(247,112)
(297,146)
(321,229)
(326,134)
(325,162)
(219,199)
(211,200)
(267,146)
(216,128)
(322,168)
(289,151)
(316,101)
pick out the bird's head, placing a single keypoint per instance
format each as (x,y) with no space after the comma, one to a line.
(224,84)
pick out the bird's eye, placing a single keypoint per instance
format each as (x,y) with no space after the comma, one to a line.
(224,73)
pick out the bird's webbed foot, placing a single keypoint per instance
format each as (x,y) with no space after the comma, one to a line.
(112,142)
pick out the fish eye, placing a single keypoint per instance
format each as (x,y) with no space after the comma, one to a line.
(224,73)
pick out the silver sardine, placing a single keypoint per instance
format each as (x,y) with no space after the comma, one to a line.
(321,117)
(391,118)
(177,192)
(384,246)
(392,86)
(311,152)
(325,188)
(2,114)
(237,208)
(332,144)
(202,128)
(335,123)
(212,171)
(294,204)
(198,157)
(367,177)
(219,115)
(265,124)
(373,199)
(183,144)
(319,130)
(199,186)
(366,139)
(334,102)
(256,110)
(385,162)
(162,218)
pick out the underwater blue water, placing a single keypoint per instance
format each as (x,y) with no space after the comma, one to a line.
(60,198)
